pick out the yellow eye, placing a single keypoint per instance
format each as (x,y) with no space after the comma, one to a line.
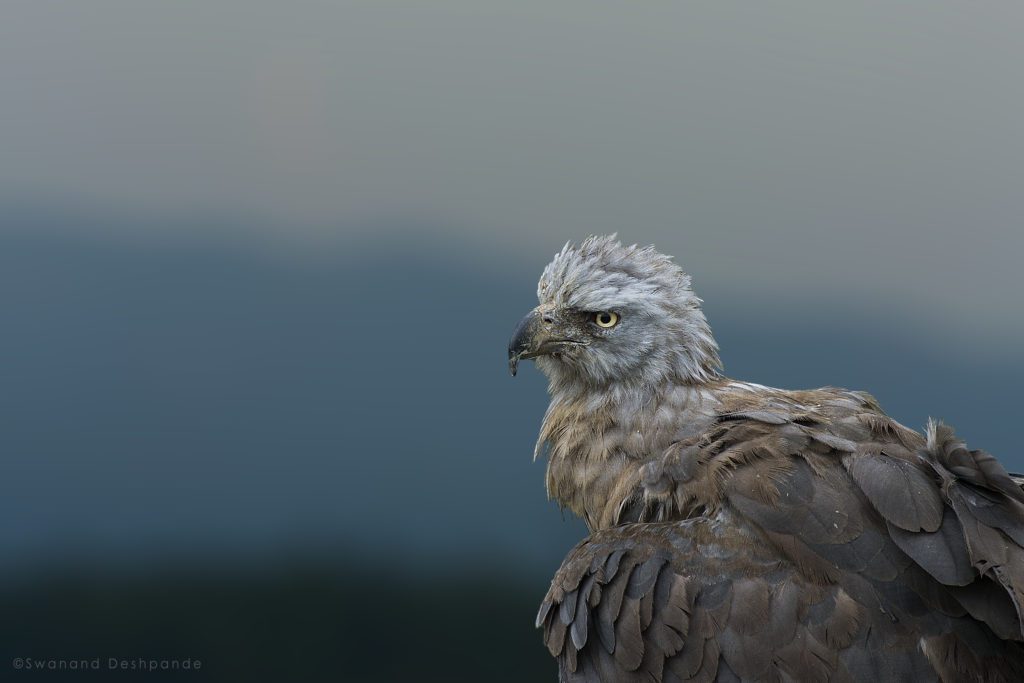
(606,319)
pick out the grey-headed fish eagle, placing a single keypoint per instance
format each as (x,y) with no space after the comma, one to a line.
(741,532)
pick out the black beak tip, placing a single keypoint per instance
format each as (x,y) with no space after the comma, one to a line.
(522,340)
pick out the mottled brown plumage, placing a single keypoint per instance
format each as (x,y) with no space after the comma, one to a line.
(741,532)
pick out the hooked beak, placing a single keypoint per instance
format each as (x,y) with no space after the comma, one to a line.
(533,337)
(522,343)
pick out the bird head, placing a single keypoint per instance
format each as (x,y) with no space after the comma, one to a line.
(613,313)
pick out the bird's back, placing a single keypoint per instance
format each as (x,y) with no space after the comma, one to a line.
(800,535)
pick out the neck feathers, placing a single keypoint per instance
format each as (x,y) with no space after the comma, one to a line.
(597,441)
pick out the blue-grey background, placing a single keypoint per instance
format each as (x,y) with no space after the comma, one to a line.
(259,262)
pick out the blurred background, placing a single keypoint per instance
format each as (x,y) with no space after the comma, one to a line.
(259,262)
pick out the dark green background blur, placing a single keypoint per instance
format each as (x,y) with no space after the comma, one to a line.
(259,262)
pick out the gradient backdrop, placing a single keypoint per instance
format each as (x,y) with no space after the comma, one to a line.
(259,262)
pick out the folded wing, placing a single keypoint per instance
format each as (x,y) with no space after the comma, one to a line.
(828,544)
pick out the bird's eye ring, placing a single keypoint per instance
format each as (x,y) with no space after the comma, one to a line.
(606,319)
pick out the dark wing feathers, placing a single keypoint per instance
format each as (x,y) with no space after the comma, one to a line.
(942,553)
(988,507)
(736,612)
(899,490)
(832,544)
(878,495)
(722,608)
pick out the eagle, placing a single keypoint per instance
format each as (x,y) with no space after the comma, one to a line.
(745,533)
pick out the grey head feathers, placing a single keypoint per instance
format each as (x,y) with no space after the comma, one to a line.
(662,334)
